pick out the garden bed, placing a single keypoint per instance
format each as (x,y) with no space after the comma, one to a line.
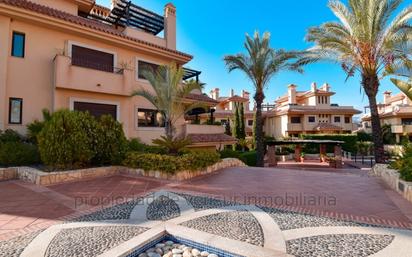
(393,180)
(39,177)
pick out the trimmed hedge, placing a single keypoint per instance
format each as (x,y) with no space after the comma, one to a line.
(229,153)
(349,139)
(71,139)
(18,153)
(249,158)
(194,160)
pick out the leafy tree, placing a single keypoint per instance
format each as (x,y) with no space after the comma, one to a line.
(364,41)
(402,69)
(260,64)
(236,122)
(169,94)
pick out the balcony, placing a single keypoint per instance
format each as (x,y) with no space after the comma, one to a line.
(77,75)
(295,127)
(400,129)
(203,129)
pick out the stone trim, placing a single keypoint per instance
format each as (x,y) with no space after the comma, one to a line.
(39,177)
(393,180)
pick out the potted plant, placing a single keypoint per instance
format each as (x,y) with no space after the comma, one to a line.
(302,157)
(323,158)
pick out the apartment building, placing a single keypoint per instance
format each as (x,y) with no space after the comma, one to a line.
(225,107)
(396,111)
(78,55)
(308,112)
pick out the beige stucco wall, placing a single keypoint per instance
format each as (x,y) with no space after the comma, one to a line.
(4,53)
(32,77)
(64,5)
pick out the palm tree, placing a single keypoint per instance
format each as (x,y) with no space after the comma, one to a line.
(260,64)
(402,69)
(364,40)
(169,94)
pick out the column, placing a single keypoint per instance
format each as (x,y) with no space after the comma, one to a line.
(4,57)
(298,151)
(338,156)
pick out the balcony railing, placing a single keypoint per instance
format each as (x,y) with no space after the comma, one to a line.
(77,75)
(86,63)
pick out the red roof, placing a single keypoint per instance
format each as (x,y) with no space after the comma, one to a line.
(205,138)
(201,98)
(34,7)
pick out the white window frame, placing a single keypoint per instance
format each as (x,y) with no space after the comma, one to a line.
(70,44)
(95,101)
(136,120)
(137,68)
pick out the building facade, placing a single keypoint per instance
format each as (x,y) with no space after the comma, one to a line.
(77,55)
(308,112)
(395,111)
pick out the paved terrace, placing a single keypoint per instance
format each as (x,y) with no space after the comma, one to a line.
(300,212)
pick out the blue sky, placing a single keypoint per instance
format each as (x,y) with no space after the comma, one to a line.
(211,29)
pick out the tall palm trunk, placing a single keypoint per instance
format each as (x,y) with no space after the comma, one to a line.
(169,129)
(371,85)
(260,145)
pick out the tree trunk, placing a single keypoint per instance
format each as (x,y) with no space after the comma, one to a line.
(260,144)
(169,130)
(371,85)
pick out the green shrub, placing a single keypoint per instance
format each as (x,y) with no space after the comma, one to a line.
(364,137)
(34,128)
(18,154)
(229,153)
(134,145)
(68,140)
(249,158)
(349,139)
(111,142)
(193,160)
(10,135)
(172,145)
(404,163)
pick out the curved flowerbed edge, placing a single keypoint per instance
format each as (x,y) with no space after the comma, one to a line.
(392,179)
(39,177)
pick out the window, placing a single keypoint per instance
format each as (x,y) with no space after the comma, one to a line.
(93,59)
(15,110)
(18,44)
(407,121)
(347,119)
(336,119)
(145,67)
(149,118)
(295,120)
(311,119)
(250,123)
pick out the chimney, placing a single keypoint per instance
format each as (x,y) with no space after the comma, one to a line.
(292,94)
(326,87)
(113,4)
(313,87)
(170,26)
(386,96)
(232,92)
(214,93)
(246,94)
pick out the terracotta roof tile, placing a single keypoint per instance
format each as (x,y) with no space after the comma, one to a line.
(202,98)
(204,138)
(34,7)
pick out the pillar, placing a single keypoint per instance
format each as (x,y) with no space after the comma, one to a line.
(338,156)
(272,156)
(322,151)
(298,151)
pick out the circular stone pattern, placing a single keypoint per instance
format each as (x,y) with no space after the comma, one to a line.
(344,245)
(90,241)
(292,220)
(162,208)
(172,249)
(238,225)
(202,203)
(15,246)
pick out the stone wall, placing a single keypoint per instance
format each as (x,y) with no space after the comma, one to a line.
(39,177)
(391,178)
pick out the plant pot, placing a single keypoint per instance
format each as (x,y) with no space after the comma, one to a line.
(302,159)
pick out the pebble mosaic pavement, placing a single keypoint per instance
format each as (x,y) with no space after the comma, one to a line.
(237,223)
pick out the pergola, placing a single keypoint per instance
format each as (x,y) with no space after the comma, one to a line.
(298,149)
